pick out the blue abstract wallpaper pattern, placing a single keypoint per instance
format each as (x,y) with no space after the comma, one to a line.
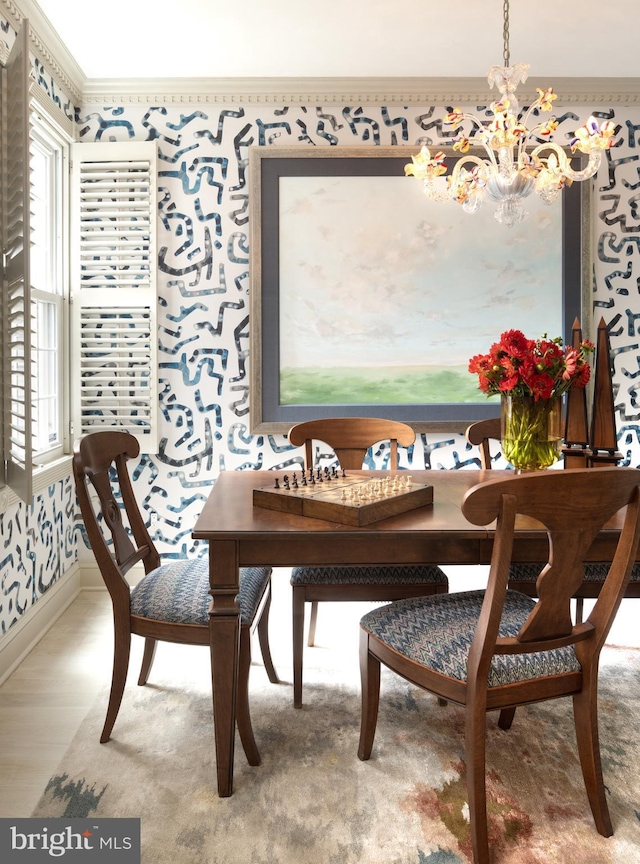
(203,264)
(203,279)
(38,544)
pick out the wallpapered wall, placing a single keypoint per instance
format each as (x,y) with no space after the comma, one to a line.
(204,310)
(204,282)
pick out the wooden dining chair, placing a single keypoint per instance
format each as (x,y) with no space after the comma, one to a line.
(171,601)
(523,576)
(349,439)
(498,648)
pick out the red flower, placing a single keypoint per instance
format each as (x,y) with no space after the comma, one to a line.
(515,343)
(541,368)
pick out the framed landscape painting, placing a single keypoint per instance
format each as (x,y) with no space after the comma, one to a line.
(368,299)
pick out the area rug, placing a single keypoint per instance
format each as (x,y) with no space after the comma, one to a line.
(311,801)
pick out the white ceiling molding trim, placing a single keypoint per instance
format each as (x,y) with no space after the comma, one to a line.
(46,45)
(52,51)
(373,91)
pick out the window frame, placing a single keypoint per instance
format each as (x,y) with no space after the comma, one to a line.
(44,131)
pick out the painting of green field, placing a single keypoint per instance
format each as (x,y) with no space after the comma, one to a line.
(363,385)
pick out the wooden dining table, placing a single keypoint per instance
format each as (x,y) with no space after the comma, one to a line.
(240,534)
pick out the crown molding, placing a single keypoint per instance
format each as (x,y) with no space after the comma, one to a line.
(47,45)
(52,51)
(341,91)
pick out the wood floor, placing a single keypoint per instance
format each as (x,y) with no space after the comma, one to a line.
(46,698)
(44,701)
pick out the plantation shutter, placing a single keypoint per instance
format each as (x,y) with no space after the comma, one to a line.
(16,295)
(114,298)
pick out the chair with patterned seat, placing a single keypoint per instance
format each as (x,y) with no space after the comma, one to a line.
(523,576)
(171,601)
(349,439)
(497,649)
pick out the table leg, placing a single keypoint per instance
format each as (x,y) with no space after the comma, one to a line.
(224,638)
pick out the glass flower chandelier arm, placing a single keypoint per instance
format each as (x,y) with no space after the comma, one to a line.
(543,102)
(478,134)
(460,170)
(463,185)
(593,137)
(563,162)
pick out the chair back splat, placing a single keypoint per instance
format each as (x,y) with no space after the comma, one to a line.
(171,601)
(351,437)
(498,648)
(101,460)
(574,510)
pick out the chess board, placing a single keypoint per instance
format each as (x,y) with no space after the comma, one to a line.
(350,500)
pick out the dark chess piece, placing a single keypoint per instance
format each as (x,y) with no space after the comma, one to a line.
(277,486)
(286,481)
(295,481)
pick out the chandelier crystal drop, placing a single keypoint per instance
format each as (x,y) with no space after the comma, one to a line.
(519,160)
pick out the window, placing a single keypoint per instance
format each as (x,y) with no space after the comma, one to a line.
(49,215)
(105,203)
(35,240)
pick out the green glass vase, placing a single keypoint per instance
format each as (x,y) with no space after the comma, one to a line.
(531,431)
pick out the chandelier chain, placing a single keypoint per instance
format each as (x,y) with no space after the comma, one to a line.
(505,33)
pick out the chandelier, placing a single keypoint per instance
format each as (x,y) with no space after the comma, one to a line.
(518,161)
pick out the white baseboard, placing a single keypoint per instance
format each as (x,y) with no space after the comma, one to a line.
(90,576)
(29,630)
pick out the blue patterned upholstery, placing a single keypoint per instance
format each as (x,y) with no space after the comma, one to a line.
(437,633)
(524,572)
(592,572)
(375,575)
(598,572)
(178,592)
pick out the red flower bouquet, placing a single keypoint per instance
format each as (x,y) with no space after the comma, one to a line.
(541,368)
(531,375)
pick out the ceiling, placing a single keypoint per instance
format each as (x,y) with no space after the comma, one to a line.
(344,38)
